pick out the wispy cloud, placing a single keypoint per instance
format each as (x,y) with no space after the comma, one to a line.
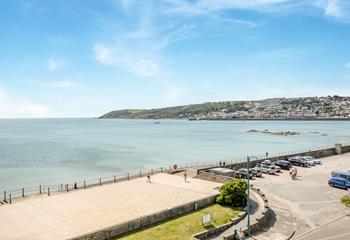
(124,58)
(53,65)
(208,6)
(58,84)
(14,107)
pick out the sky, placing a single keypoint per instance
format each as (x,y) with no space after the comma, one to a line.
(83,58)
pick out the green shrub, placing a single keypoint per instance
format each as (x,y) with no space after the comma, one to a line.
(346,200)
(233,194)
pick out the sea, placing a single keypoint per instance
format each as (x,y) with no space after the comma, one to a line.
(62,151)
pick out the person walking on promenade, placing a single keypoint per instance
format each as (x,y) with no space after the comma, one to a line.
(267,154)
(223,163)
(185,176)
(220,163)
(149,177)
(75,186)
(241,234)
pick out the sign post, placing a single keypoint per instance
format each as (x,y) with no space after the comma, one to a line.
(206,220)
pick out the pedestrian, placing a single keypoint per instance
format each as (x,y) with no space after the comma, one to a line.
(75,186)
(224,163)
(235,235)
(185,176)
(241,234)
(220,163)
(267,154)
(149,177)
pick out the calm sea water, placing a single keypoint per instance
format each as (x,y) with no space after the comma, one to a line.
(53,151)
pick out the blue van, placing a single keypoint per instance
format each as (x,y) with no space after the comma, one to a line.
(338,174)
(339,182)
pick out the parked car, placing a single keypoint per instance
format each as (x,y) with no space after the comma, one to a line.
(268,163)
(310,161)
(269,169)
(316,160)
(283,164)
(338,174)
(243,173)
(256,171)
(298,161)
(339,182)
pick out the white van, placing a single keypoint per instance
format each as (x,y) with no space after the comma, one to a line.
(269,169)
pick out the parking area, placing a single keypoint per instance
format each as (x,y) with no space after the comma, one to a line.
(307,204)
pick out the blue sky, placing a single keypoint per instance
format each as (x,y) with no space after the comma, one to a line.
(74,58)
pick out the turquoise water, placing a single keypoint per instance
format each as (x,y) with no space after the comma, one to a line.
(53,151)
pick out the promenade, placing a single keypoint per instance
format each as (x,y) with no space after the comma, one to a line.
(66,215)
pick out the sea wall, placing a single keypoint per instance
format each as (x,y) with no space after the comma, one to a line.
(145,221)
(319,153)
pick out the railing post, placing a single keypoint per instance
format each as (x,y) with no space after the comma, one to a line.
(48,191)
(161,169)
(67,187)
(10,198)
(114,179)
(84,184)
(128,176)
(151,171)
(40,189)
(22,192)
(61,187)
(100,182)
(140,174)
(4,195)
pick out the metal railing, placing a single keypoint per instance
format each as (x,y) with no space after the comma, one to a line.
(9,196)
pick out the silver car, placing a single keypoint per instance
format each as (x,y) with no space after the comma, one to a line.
(316,161)
(268,162)
(311,162)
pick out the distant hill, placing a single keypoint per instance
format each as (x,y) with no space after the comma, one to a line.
(330,107)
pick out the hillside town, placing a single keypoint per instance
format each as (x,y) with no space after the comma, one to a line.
(330,107)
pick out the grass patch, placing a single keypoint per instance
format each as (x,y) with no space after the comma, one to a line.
(346,200)
(182,228)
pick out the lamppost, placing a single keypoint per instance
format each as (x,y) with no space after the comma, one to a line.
(248,199)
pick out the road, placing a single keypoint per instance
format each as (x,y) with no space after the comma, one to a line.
(306,204)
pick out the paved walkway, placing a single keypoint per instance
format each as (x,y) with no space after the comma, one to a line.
(66,215)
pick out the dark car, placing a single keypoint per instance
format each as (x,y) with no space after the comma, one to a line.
(283,164)
(339,182)
(298,161)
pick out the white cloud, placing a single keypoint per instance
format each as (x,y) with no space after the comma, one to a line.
(347,65)
(333,9)
(338,9)
(124,58)
(59,84)
(53,65)
(12,107)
